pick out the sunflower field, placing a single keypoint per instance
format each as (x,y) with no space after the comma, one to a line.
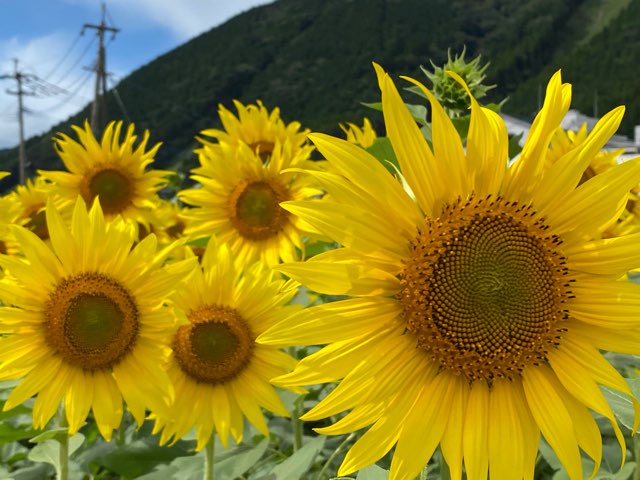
(441,301)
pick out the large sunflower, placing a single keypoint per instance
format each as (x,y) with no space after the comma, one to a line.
(220,374)
(94,331)
(481,298)
(239,201)
(113,170)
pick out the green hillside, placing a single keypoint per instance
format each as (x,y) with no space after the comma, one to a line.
(313,59)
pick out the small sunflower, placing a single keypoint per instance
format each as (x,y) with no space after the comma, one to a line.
(166,222)
(364,136)
(94,331)
(219,373)
(111,170)
(239,201)
(258,128)
(31,199)
(9,215)
(565,140)
(481,299)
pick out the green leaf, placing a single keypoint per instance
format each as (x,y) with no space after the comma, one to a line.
(373,472)
(243,458)
(182,468)
(19,410)
(48,451)
(514,145)
(52,434)
(383,151)
(139,457)
(199,242)
(461,125)
(313,249)
(621,404)
(33,472)
(418,112)
(9,433)
(374,105)
(294,467)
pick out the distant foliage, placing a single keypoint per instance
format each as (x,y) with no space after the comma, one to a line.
(313,59)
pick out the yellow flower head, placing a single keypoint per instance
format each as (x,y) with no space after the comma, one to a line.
(481,298)
(239,201)
(31,200)
(9,215)
(364,136)
(258,128)
(83,321)
(565,140)
(111,170)
(220,374)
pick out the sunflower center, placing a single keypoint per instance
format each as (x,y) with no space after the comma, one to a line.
(483,288)
(91,320)
(38,224)
(113,189)
(215,346)
(254,209)
(263,148)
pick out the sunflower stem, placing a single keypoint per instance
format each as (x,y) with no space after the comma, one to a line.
(63,452)
(297,424)
(423,473)
(335,453)
(209,458)
(636,451)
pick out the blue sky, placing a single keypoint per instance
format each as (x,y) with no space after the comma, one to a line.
(45,37)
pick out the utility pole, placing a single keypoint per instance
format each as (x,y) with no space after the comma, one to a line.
(98,109)
(20,77)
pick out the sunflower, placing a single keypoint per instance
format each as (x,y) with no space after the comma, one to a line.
(95,323)
(258,128)
(9,215)
(31,200)
(112,170)
(481,298)
(239,201)
(364,136)
(565,140)
(220,374)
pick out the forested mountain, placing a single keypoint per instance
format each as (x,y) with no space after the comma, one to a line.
(312,58)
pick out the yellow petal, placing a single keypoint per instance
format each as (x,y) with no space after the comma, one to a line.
(414,155)
(476,426)
(107,403)
(595,204)
(424,427)
(333,322)
(608,256)
(550,412)
(524,175)
(381,437)
(564,174)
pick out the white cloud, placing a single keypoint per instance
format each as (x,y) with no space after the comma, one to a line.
(39,56)
(184,19)
(181,20)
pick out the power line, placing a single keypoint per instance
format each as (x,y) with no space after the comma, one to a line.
(73,93)
(78,60)
(64,57)
(20,78)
